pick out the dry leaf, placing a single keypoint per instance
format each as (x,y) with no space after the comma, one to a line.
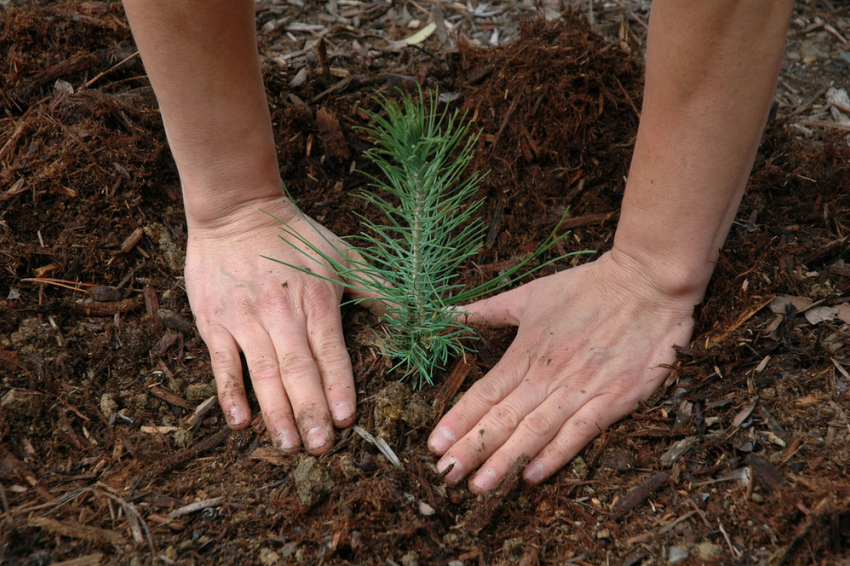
(809,399)
(778,304)
(843,312)
(820,314)
(745,412)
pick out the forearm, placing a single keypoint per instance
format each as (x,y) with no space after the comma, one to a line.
(201,57)
(710,77)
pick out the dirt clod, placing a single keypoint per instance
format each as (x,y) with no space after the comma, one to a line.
(390,406)
(312,481)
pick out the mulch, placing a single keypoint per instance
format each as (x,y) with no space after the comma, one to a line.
(112,454)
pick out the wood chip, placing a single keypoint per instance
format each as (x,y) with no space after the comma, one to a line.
(271,456)
(765,472)
(744,413)
(678,450)
(200,412)
(72,529)
(451,386)
(195,507)
(169,397)
(87,560)
(820,314)
(639,494)
(777,306)
(130,242)
(483,513)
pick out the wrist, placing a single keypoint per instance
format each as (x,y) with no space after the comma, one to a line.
(670,276)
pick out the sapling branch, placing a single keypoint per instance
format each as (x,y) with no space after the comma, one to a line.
(410,262)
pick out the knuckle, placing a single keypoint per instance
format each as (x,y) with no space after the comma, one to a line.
(224,360)
(538,424)
(263,370)
(297,364)
(505,417)
(488,391)
(317,295)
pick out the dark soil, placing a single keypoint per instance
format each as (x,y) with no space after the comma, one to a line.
(742,458)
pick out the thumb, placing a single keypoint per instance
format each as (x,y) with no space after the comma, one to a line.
(504,309)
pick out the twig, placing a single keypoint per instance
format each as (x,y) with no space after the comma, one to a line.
(626,94)
(684,517)
(825,124)
(109,70)
(507,118)
(195,507)
(699,512)
(735,552)
(380,444)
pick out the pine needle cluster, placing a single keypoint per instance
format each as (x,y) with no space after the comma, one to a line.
(410,261)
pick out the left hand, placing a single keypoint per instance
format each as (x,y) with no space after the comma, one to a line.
(592,342)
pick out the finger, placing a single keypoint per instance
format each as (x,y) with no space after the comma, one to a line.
(265,376)
(303,384)
(531,435)
(594,417)
(504,309)
(227,369)
(324,331)
(484,394)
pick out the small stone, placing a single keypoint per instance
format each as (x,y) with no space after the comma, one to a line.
(454,563)
(513,546)
(288,550)
(108,404)
(312,481)
(450,539)
(22,403)
(348,467)
(579,467)
(425,509)
(199,392)
(410,559)
(603,534)
(182,438)
(757,498)
(268,557)
(676,554)
(709,551)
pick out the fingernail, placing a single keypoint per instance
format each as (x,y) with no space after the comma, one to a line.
(238,416)
(317,437)
(342,411)
(441,440)
(455,475)
(533,472)
(484,481)
(287,441)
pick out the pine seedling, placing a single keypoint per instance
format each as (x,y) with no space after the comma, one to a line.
(409,263)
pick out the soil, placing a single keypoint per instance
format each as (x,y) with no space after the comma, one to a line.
(114,452)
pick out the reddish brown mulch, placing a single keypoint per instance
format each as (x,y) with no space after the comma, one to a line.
(741,459)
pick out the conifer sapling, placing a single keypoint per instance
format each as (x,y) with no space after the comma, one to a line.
(409,263)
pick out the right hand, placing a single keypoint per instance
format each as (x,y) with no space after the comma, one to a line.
(286,323)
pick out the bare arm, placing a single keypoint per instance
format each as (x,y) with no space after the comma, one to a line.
(710,77)
(201,56)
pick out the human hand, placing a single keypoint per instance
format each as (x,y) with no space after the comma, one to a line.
(286,323)
(592,342)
